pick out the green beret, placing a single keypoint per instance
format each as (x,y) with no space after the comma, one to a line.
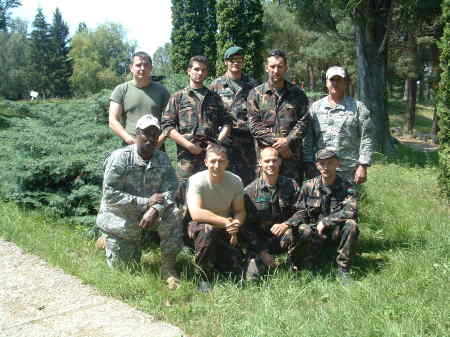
(235,50)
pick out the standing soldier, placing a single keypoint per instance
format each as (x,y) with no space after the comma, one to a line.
(195,116)
(234,88)
(131,100)
(277,116)
(342,123)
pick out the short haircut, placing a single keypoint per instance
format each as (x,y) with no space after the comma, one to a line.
(199,59)
(269,148)
(142,54)
(278,53)
(216,148)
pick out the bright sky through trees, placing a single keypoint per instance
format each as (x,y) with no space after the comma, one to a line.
(147,22)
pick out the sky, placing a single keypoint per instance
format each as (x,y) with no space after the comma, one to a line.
(147,22)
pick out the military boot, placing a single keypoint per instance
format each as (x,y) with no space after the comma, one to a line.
(168,271)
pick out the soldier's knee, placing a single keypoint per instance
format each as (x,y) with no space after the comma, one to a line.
(305,231)
(352,226)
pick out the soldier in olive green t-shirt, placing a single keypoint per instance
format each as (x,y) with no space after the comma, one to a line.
(131,100)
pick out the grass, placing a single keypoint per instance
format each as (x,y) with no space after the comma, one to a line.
(398,116)
(402,271)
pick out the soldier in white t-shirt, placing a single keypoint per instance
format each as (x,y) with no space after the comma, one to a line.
(215,200)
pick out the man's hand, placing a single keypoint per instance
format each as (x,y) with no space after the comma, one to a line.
(281,144)
(320,229)
(361,174)
(286,153)
(232,227)
(156,198)
(194,149)
(149,218)
(278,229)
(129,140)
(267,259)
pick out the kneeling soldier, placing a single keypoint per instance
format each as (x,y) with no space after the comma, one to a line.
(138,194)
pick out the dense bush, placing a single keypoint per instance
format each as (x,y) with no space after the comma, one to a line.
(51,155)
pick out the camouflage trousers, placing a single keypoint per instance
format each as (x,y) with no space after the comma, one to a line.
(341,238)
(213,251)
(243,157)
(120,251)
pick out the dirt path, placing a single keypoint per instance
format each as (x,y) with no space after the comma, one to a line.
(418,144)
(37,300)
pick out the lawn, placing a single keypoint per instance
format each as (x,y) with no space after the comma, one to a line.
(402,270)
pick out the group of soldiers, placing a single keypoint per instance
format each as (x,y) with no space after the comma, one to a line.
(237,195)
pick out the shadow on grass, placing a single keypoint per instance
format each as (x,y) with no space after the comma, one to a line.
(408,157)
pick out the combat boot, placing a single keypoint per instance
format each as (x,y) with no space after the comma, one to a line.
(169,273)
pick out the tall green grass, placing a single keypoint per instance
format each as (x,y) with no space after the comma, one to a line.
(402,271)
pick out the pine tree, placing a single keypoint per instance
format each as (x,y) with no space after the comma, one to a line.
(444,103)
(61,64)
(240,23)
(5,6)
(193,32)
(41,64)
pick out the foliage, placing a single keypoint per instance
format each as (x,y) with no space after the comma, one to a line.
(402,271)
(14,63)
(5,7)
(57,165)
(61,64)
(240,23)
(100,58)
(193,32)
(162,64)
(444,103)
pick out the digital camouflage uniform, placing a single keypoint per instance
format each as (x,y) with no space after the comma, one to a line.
(234,96)
(198,115)
(273,114)
(128,183)
(347,128)
(267,205)
(336,207)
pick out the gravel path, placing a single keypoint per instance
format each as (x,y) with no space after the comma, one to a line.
(37,300)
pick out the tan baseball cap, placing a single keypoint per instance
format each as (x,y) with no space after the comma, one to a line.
(147,120)
(336,71)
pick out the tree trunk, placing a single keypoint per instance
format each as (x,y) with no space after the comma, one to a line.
(435,76)
(405,91)
(371,51)
(434,126)
(412,97)
(312,86)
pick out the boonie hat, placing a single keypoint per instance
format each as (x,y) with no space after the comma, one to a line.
(147,120)
(230,52)
(325,154)
(336,71)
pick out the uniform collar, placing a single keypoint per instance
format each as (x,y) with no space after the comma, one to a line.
(139,160)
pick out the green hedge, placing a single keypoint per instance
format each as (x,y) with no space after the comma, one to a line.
(444,104)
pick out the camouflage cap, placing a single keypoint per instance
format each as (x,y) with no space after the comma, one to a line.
(336,71)
(230,52)
(146,121)
(325,154)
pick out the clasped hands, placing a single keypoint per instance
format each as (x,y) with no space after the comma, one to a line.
(150,216)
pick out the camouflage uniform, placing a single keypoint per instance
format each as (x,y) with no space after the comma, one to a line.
(346,127)
(336,207)
(273,114)
(198,115)
(128,183)
(267,205)
(234,96)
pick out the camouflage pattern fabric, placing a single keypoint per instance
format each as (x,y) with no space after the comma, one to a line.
(273,114)
(336,207)
(213,251)
(128,184)
(234,95)
(198,115)
(347,128)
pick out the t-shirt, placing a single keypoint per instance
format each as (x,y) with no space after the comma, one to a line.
(216,198)
(137,102)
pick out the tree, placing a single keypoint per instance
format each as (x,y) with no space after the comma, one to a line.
(240,23)
(41,63)
(444,103)
(193,32)
(61,64)
(5,7)
(100,58)
(161,60)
